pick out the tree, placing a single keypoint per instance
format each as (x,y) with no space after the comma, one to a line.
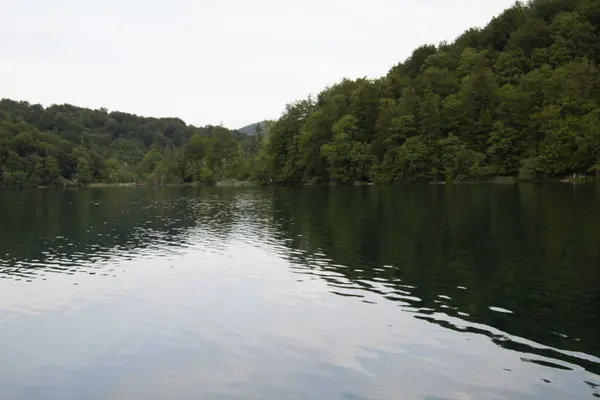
(349,160)
(518,97)
(83,174)
(45,146)
(51,174)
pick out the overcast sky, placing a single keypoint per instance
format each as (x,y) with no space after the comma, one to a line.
(212,61)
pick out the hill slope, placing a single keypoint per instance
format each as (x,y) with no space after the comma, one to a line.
(251,129)
(64,145)
(520,97)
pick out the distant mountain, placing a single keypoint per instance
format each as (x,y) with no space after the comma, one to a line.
(251,129)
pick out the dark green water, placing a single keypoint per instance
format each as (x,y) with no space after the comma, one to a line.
(416,292)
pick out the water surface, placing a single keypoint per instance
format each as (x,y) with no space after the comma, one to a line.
(411,292)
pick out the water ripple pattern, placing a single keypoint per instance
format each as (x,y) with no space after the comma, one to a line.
(412,292)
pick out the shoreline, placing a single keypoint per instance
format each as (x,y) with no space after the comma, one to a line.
(224,183)
(231,183)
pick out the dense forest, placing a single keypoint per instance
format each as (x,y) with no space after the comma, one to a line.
(66,145)
(520,97)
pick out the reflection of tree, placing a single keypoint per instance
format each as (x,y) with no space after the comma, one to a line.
(445,251)
(63,229)
(531,250)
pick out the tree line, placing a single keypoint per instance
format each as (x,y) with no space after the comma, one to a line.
(519,97)
(64,145)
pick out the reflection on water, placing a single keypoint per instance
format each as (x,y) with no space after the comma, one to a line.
(393,292)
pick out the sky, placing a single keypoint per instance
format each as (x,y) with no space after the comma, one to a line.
(233,62)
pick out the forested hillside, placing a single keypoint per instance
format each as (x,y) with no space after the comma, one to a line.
(519,97)
(67,145)
(256,128)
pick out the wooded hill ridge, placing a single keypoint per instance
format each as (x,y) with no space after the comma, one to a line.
(519,97)
(257,127)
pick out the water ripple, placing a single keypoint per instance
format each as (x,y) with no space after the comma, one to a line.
(289,281)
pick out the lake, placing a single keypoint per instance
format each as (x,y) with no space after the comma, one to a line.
(405,292)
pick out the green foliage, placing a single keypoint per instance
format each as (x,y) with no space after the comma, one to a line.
(83,172)
(51,171)
(64,145)
(520,97)
(458,162)
(349,160)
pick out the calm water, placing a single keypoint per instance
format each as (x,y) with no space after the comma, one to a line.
(417,292)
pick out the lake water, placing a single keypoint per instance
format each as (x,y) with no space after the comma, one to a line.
(408,292)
